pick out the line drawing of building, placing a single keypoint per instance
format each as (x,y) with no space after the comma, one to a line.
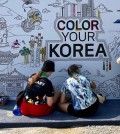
(6,58)
(91,5)
(12,83)
(32,57)
(66,10)
(77,10)
(39,46)
(35,47)
(32,45)
(84,10)
(88,9)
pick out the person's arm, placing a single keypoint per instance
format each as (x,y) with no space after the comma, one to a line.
(92,84)
(50,93)
(50,101)
(34,78)
(63,98)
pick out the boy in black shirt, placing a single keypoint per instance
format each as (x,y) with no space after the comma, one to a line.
(40,97)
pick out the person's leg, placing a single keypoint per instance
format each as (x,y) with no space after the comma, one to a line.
(64,103)
(64,106)
(56,97)
(92,109)
(88,111)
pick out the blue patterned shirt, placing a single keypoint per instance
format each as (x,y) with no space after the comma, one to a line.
(80,92)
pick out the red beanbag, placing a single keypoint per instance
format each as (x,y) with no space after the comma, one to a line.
(35,110)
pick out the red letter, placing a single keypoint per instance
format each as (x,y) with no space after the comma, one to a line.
(94,23)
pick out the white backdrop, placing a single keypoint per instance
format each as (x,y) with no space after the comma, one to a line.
(29,27)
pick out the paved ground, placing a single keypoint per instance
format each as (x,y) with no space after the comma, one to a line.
(107,114)
(76,130)
(106,121)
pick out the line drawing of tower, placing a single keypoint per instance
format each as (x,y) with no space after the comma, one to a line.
(89,11)
(32,45)
(84,10)
(32,57)
(91,5)
(37,57)
(66,10)
(79,8)
(3,33)
(61,11)
(60,14)
(39,45)
(72,10)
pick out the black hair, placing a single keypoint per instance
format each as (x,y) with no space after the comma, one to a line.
(48,66)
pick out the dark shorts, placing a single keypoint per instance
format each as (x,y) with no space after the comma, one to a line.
(85,112)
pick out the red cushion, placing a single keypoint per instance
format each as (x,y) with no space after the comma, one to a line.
(35,110)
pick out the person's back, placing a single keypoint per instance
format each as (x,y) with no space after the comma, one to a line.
(39,96)
(37,92)
(80,91)
(83,102)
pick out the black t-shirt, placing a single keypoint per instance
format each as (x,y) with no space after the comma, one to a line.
(41,88)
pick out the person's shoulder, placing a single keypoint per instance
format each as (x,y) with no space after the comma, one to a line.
(81,76)
(69,79)
(48,81)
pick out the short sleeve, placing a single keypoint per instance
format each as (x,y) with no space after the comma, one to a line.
(49,89)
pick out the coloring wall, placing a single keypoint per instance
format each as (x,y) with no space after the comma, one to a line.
(82,32)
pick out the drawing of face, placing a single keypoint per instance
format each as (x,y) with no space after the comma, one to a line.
(32,37)
(34,17)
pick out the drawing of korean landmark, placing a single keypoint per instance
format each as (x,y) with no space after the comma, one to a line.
(36,53)
(11,82)
(36,50)
(3,33)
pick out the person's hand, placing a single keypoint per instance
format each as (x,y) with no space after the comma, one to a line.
(30,80)
(34,78)
(118,60)
(93,85)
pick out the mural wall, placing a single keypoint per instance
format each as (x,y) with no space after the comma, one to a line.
(82,32)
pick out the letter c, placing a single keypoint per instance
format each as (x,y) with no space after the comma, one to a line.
(60,25)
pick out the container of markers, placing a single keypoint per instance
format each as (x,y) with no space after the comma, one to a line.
(3,100)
